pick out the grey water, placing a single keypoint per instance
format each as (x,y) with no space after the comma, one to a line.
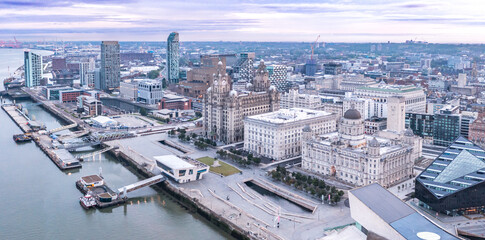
(39,201)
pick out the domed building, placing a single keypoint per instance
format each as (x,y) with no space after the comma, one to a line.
(225,108)
(358,159)
(352,128)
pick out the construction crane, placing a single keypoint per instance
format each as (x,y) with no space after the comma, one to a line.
(313,46)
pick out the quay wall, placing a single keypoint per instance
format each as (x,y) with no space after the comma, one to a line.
(36,139)
(55,112)
(183,199)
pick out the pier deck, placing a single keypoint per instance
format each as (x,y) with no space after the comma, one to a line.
(43,141)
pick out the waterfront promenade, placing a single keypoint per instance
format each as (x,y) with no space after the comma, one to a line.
(232,200)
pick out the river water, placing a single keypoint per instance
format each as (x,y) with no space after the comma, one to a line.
(38,201)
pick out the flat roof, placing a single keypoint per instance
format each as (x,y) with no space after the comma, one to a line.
(289,115)
(173,162)
(64,155)
(415,224)
(91,179)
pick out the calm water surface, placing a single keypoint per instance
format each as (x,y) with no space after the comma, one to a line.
(38,201)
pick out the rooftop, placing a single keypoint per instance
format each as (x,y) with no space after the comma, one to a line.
(401,217)
(91,179)
(392,88)
(289,115)
(460,166)
(173,162)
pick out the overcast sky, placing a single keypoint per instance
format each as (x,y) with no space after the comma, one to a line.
(444,21)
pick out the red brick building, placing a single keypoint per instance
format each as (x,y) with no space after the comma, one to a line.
(477,130)
(170,101)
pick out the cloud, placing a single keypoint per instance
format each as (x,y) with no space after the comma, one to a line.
(253,20)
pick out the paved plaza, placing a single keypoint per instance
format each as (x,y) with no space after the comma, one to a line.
(234,200)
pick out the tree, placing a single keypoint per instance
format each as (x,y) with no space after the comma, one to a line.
(143,112)
(153,74)
(257,160)
(164,83)
(198,114)
(194,135)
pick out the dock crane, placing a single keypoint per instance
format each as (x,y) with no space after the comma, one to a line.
(313,46)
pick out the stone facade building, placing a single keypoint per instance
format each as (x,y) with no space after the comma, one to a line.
(358,159)
(277,135)
(224,109)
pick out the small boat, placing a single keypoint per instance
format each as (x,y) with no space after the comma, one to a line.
(22,138)
(87,201)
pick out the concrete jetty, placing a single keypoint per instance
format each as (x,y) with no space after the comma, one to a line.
(63,159)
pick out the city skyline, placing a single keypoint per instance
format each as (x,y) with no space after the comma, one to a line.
(336,21)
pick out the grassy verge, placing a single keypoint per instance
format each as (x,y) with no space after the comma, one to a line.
(225,169)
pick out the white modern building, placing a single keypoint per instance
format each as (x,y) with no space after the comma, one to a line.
(415,98)
(150,91)
(33,69)
(181,170)
(103,121)
(278,135)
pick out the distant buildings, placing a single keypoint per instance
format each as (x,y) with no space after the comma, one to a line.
(310,67)
(110,65)
(446,126)
(442,127)
(129,90)
(278,77)
(84,73)
(224,109)
(454,183)
(173,56)
(332,68)
(200,78)
(477,130)
(415,98)
(244,69)
(59,64)
(294,99)
(89,105)
(278,135)
(32,69)
(150,91)
(374,124)
(422,124)
(135,56)
(171,101)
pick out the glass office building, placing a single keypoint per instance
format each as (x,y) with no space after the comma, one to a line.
(173,58)
(454,183)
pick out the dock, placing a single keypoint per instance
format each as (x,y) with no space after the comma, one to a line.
(307,204)
(95,187)
(143,183)
(62,160)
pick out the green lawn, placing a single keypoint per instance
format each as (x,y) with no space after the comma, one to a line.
(225,169)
